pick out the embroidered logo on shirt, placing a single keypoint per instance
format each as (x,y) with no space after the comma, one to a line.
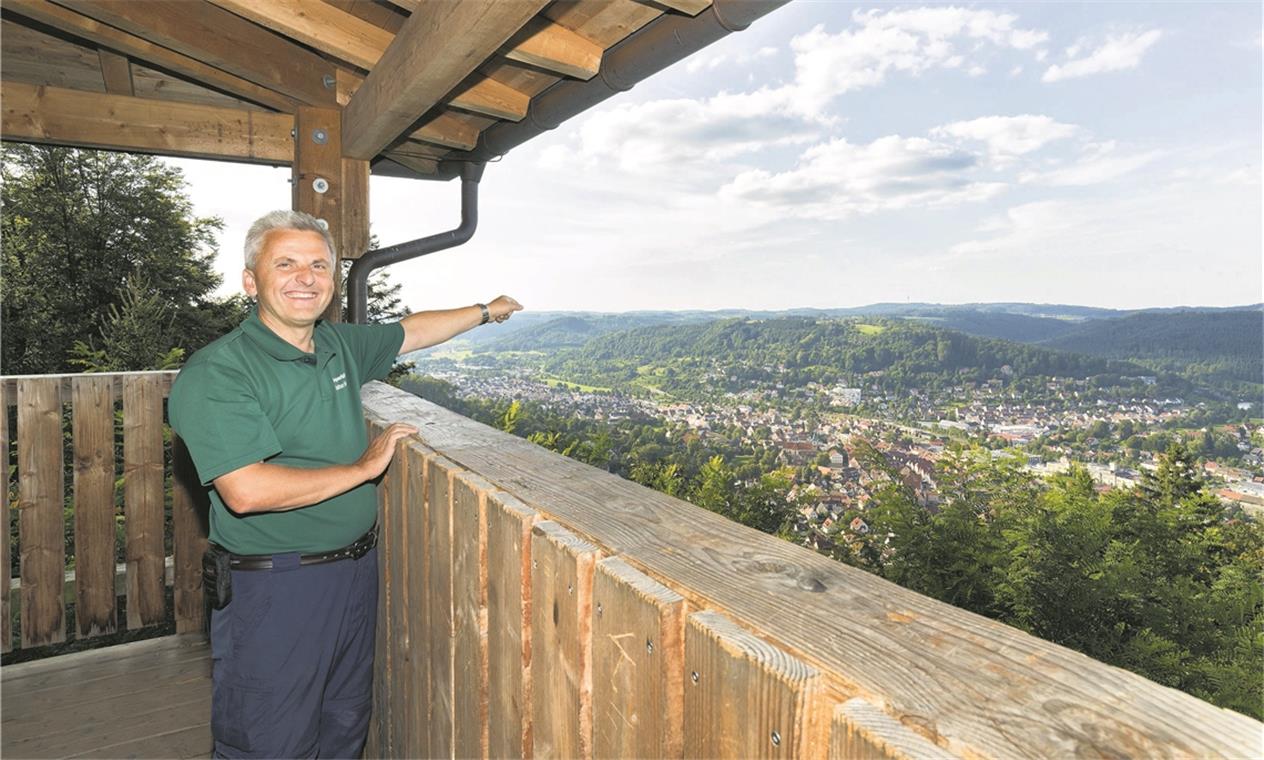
(340,381)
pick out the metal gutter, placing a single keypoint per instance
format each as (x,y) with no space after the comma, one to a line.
(358,277)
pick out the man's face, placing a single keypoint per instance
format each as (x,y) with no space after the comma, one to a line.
(292,279)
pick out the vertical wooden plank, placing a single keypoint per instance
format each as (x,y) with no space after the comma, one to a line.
(416,543)
(439,605)
(41,490)
(561,642)
(316,178)
(638,661)
(744,698)
(142,498)
(190,508)
(509,524)
(469,615)
(6,632)
(377,744)
(393,494)
(92,399)
(861,731)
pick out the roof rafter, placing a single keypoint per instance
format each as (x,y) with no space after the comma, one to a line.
(118,122)
(320,25)
(83,27)
(687,7)
(491,98)
(221,39)
(116,71)
(434,51)
(448,130)
(556,48)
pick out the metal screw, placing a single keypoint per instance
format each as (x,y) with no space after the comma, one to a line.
(569,588)
(649,646)
(293,133)
(535,563)
(329,81)
(776,739)
(320,136)
(693,676)
(599,610)
(320,185)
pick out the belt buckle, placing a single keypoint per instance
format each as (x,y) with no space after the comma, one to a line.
(364,544)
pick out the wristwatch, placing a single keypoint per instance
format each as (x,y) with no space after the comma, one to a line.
(487,315)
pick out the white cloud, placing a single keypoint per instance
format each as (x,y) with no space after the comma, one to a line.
(1099,164)
(1118,52)
(838,179)
(908,41)
(1009,135)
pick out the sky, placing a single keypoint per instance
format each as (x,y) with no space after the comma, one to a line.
(838,154)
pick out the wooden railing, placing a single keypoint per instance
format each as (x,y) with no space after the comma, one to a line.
(534,606)
(86,415)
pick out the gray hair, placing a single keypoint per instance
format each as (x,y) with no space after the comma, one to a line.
(283,219)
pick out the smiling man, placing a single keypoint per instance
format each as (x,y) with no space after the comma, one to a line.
(272,419)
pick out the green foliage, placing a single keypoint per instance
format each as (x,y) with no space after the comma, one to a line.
(81,227)
(1159,580)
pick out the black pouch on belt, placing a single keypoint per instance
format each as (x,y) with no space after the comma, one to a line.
(217,577)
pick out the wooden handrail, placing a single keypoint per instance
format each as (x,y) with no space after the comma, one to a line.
(49,408)
(531,603)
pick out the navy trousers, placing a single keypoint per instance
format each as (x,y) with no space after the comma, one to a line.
(293,660)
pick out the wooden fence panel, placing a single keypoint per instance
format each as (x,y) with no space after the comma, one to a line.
(6,632)
(143,497)
(744,698)
(393,493)
(190,517)
(861,731)
(509,524)
(469,615)
(93,433)
(375,744)
(415,542)
(439,605)
(638,661)
(41,489)
(561,642)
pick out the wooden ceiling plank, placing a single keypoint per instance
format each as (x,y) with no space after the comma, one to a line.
(491,98)
(116,71)
(158,85)
(382,16)
(319,25)
(448,130)
(433,53)
(84,27)
(555,48)
(32,57)
(605,22)
(687,7)
(118,122)
(221,39)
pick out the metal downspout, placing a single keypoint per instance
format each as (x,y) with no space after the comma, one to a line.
(358,277)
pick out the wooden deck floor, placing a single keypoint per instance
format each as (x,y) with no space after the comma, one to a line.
(145,699)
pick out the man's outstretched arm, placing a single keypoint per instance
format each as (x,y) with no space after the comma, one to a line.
(263,487)
(430,328)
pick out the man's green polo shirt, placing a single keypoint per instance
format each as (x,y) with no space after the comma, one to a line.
(252,397)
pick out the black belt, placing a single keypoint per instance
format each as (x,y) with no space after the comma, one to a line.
(354,550)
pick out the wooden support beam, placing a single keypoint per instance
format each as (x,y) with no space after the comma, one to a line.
(448,130)
(405,5)
(687,7)
(116,71)
(419,164)
(557,49)
(221,39)
(83,27)
(491,98)
(433,52)
(320,25)
(58,116)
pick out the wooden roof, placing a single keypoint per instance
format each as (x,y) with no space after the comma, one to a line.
(415,81)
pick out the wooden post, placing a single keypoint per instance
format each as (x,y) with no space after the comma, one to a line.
(331,188)
(439,604)
(41,491)
(143,497)
(561,642)
(189,524)
(6,633)
(509,524)
(469,615)
(93,423)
